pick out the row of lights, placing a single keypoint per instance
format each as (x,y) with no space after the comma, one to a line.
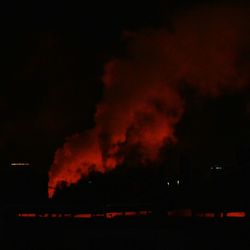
(16,164)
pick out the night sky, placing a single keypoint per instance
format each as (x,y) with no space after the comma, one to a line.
(52,59)
(52,63)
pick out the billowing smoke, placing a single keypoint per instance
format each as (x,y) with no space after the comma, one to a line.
(143,98)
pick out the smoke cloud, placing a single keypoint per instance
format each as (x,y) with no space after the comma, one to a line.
(143,98)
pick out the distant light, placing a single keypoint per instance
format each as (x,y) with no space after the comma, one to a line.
(178,182)
(239,214)
(20,164)
(85,216)
(168,183)
(30,215)
(218,168)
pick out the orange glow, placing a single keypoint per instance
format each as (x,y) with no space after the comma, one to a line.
(75,159)
(85,216)
(114,214)
(236,214)
(27,215)
(110,215)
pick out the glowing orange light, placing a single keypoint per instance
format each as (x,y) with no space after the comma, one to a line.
(114,214)
(236,214)
(85,216)
(27,215)
(110,215)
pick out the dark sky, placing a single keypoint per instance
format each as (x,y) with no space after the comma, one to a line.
(52,58)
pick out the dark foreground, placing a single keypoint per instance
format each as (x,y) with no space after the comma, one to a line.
(125,233)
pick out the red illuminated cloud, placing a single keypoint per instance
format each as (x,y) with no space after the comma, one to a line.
(142,101)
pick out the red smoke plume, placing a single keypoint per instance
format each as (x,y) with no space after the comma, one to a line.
(142,102)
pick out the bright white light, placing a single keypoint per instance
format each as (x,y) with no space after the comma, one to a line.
(20,164)
(178,182)
(168,183)
(218,168)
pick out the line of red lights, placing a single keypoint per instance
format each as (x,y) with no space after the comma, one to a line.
(110,215)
